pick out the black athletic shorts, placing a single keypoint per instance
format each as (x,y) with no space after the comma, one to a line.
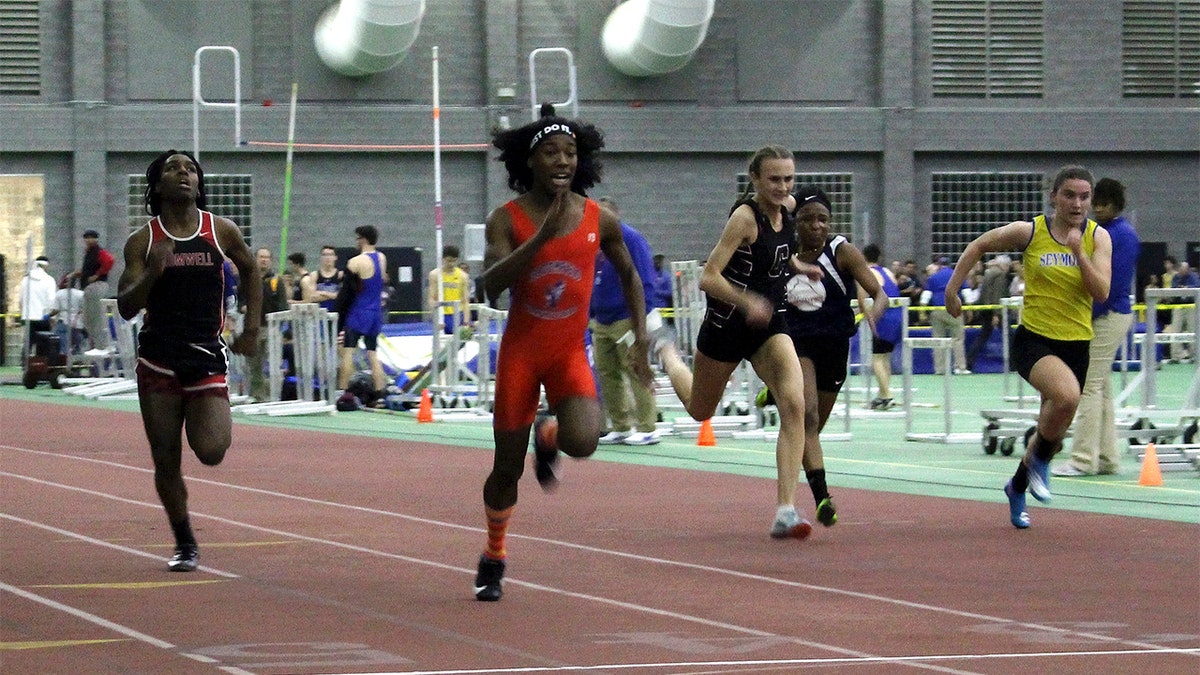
(734,341)
(829,355)
(1028,348)
(880,346)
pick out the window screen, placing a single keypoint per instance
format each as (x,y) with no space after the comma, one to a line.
(965,205)
(838,186)
(229,195)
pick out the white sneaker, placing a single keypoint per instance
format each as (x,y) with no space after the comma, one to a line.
(641,438)
(613,438)
(1069,470)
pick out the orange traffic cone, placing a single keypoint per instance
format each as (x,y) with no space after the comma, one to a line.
(1151,473)
(425,412)
(706,437)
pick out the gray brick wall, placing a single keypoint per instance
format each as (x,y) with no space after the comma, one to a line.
(675,143)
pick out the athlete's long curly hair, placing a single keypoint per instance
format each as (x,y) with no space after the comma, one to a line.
(514,151)
(152,199)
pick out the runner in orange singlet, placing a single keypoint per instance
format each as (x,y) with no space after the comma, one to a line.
(542,247)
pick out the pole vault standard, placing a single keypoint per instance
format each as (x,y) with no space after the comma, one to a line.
(437,221)
(287,183)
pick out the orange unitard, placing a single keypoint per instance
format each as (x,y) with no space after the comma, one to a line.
(543,340)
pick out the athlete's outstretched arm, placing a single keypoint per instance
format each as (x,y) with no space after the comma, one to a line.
(1012,237)
(143,266)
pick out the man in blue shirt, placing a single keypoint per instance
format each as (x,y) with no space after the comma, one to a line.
(941,324)
(1094,445)
(630,408)
(663,297)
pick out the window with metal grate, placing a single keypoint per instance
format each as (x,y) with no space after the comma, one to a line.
(839,187)
(228,195)
(967,204)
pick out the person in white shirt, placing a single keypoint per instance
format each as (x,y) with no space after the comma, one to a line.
(67,311)
(37,295)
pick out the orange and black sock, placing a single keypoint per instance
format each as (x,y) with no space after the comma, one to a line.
(497,528)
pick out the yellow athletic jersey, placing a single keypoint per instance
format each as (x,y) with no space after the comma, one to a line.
(455,288)
(1056,304)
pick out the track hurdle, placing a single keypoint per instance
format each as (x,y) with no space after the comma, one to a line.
(119,364)
(941,347)
(314,358)
(1009,307)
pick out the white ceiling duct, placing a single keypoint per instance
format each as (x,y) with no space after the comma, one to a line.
(642,38)
(363,37)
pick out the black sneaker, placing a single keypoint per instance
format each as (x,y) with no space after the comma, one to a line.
(545,456)
(186,559)
(487,580)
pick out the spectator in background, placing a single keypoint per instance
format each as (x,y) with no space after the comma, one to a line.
(941,322)
(1166,316)
(321,286)
(888,329)
(36,295)
(612,328)
(366,278)
(1094,442)
(93,275)
(67,312)
(663,297)
(1181,319)
(450,284)
(1016,284)
(992,289)
(274,299)
(911,285)
(294,277)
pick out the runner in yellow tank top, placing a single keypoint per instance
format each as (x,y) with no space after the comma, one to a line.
(454,286)
(1054,306)
(1068,264)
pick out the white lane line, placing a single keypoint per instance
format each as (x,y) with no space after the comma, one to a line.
(629,556)
(101,542)
(88,616)
(629,606)
(776,663)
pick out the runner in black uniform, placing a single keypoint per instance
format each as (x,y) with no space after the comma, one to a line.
(322,284)
(174,270)
(821,323)
(744,280)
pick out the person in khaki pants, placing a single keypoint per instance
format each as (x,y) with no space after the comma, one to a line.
(1094,444)
(630,408)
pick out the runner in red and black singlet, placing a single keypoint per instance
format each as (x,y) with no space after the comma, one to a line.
(174,270)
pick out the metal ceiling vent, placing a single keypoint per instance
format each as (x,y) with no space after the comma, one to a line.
(643,38)
(364,37)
